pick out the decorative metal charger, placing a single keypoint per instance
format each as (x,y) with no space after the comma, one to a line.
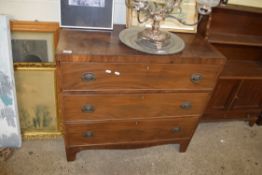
(129,38)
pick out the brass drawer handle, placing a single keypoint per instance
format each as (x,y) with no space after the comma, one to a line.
(176,129)
(196,78)
(186,105)
(88,76)
(88,134)
(88,108)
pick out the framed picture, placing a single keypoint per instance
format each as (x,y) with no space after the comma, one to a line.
(188,13)
(87,14)
(37,102)
(250,3)
(34,42)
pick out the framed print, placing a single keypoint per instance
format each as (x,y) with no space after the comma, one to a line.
(34,42)
(188,13)
(87,14)
(250,3)
(32,47)
(37,102)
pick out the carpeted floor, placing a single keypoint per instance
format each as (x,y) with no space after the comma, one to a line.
(230,148)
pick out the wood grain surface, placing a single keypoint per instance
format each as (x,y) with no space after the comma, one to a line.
(236,32)
(138,76)
(130,131)
(111,96)
(126,106)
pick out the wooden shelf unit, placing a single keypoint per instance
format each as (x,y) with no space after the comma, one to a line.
(236,32)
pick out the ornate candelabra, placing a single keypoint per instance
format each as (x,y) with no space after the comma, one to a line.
(153,40)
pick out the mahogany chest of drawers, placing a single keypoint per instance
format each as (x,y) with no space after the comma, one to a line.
(111,96)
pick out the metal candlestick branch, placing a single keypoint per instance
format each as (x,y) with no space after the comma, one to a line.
(153,40)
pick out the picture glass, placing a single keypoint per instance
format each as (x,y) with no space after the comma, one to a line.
(90,14)
(32,47)
(251,3)
(89,3)
(36,100)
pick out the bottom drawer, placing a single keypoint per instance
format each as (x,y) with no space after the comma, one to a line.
(130,131)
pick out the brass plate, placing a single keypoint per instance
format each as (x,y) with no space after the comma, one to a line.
(129,38)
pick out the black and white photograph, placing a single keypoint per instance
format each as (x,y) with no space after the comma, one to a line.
(29,50)
(87,14)
(32,47)
(91,3)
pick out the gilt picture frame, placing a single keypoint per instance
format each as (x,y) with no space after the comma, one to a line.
(188,14)
(87,14)
(37,102)
(34,43)
(248,3)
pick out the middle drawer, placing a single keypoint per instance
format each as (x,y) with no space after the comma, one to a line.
(126,106)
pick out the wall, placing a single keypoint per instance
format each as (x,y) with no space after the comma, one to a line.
(48,10)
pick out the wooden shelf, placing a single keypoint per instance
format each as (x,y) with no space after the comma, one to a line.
(235,69)
(236,32)
(235,39)
(235,25)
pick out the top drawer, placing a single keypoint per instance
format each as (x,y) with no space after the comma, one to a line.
(96,76)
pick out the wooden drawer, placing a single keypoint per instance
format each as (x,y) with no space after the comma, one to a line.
(123,106)
(87,76)
(130,131)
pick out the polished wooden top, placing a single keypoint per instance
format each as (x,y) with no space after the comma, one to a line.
(77,45)
(242,69)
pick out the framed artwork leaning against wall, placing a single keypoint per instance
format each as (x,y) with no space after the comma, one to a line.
(33,46)
(34,43)
(87,14)
(250,3)
(37,102)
